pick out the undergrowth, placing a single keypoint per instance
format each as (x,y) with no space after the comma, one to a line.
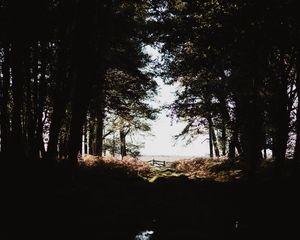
(213,169)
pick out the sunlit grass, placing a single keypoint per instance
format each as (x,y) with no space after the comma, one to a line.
(212,169)
(128,165)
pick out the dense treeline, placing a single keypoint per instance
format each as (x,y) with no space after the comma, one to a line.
(75,76)
(64,67)
(75,68)
(237,64)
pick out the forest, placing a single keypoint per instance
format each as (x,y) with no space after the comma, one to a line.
(75,75)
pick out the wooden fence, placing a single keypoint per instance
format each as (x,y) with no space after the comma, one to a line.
(157,163)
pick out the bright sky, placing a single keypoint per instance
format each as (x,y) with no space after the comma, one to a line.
(164,130)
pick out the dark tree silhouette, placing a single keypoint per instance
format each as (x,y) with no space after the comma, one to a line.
(233,64)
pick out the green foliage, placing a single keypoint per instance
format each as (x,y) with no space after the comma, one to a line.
(233,61)
(86,70)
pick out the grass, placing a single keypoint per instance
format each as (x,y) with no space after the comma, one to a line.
(127,165)
(212,169)
(195,169)
(107,198)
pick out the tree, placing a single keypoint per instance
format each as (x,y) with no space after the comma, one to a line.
(54,78)
(233,48)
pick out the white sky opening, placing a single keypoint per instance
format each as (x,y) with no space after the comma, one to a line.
(163,129)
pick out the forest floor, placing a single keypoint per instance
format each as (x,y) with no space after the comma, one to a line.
(106,199)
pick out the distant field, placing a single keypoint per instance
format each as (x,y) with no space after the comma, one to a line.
(167,158)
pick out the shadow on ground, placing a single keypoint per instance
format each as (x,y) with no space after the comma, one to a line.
(100,204)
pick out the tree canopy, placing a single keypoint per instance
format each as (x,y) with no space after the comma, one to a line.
(73,69)
(236,64)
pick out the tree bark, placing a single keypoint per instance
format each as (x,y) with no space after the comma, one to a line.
(113,151)
(224,138)
(211,151)
(60,100)
(213,138)
(226,121)
(84,54)
(99,133)
(233,144)
(86,138)
(63,75)
(297,147)
(250,121)
(79,110)
(30,126)
(91,141)
(123,143)
(42,89)
(17,54)
(4,116)
(280,118)
(215,143)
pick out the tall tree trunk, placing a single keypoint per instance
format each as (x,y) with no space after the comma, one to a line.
(55,126)
(254,136)
(4,114)
(280,118)
(35,148)
(210,141)
(265,156)
(113,151)
(30,126)
(123,143)
(251,131)
(251,146)
(224,138)
(60,100)
(42,90)
(63,77)
(215,143)
(233,143)
(265,144)
(226,121)
(297,147)
(59,107)
(213,137)
(91,136)
(86,139)
(84,61)
(99,133)
(17,54)
(79,110)
(280,140)
(62,145)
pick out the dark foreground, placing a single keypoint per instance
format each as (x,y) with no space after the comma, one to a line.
(99,204)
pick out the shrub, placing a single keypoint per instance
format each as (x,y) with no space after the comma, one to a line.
(127,164)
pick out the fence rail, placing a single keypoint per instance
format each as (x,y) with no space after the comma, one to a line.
(157,163)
